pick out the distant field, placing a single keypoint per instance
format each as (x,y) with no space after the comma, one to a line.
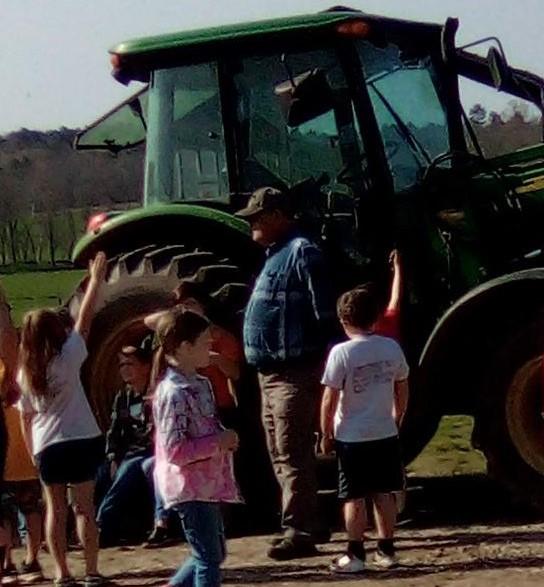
(26,291)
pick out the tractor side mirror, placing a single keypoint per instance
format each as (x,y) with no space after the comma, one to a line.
(305,96)
(498,67)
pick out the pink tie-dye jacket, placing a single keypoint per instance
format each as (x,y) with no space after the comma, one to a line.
(189,465)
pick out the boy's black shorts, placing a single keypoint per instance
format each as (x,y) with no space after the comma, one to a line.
(373,466)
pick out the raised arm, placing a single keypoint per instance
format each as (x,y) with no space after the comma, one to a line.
(97,273)
(396,284)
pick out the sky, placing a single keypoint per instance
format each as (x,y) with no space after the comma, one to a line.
(54,61)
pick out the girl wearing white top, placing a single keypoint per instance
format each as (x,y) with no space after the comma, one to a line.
(58,425)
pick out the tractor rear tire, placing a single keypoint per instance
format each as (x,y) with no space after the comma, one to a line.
(510,428)
(139,283)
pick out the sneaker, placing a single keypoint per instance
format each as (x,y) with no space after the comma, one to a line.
(289,549)
(9,575)
(31,572)
(159,537)
(347,564)
(385,561)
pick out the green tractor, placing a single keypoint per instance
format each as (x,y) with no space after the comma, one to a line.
(359,117)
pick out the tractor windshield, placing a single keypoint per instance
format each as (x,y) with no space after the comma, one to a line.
(281,146)
(408,109)
(186,159)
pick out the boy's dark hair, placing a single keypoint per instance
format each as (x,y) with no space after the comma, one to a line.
(359,307)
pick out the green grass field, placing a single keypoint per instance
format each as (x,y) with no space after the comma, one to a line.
(26,291)
(448,453)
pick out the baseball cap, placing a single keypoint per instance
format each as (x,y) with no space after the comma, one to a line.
(263,200)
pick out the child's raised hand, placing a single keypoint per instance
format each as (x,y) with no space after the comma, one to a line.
(394,259)
(228,440)
(98,267)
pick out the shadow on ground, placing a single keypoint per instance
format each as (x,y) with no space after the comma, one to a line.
(460,500)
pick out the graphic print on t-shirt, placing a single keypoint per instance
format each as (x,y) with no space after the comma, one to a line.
(378,373)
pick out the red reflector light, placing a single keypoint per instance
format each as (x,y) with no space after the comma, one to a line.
(115,61)
(96,221)
(357,29)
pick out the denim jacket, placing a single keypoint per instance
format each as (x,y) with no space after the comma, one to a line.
(290,312)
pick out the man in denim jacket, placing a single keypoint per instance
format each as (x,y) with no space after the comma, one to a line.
(287,323)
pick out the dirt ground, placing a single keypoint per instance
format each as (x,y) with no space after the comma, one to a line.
(459,531)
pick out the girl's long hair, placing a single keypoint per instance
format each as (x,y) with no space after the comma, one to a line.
(42,336)
(174,327)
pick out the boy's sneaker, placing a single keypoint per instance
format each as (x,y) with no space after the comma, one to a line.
(31,572)
(347,564)
(385,561)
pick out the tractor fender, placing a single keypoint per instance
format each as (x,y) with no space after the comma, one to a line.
(168,224)
(462,345)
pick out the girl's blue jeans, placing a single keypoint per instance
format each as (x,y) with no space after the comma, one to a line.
(203,527)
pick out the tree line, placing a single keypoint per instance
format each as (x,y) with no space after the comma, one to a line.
(48,191)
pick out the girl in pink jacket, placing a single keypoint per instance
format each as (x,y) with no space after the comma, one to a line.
(193,467)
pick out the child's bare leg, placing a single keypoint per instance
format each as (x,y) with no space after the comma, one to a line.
(82,494)
(7,560)
(385,513)
(34,535)
(355,520)
(55,526)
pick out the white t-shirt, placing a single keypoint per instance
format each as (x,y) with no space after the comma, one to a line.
(365,369)
(64,413)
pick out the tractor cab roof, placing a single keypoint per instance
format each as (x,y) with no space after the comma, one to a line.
(133,59)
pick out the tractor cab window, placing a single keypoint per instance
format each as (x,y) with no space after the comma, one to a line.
(185,144)
(296,123)
(408,110)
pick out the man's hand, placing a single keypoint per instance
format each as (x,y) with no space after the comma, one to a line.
(228,440)
(327,445)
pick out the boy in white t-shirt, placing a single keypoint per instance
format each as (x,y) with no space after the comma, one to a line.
(365,398)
